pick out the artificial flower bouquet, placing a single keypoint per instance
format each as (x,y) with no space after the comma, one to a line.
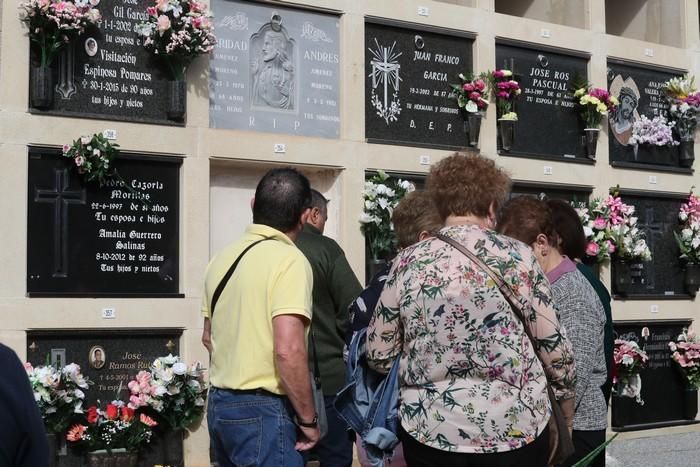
(611,230)
(381,195)
(172,389)
(684,105)
(471,93)
(53,24)
(594,104)
(657,131)
(628,360)
(58,393)
(689,237)
(93,157)
(117,426)
(505,90)
(686,353)
(179,31)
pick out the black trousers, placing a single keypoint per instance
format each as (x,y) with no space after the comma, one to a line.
(417,454)
(585,442)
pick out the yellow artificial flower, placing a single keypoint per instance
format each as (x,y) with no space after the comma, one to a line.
(614,101)
(594,100)
(507,73)
(580,92)
(602,108)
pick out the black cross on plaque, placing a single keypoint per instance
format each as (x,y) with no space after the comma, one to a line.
(60,197)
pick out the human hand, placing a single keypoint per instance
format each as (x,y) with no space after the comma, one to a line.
(307,438)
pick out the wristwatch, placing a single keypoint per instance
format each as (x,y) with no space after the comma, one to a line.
(312,424)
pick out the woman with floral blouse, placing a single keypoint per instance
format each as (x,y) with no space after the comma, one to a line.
(581,313)
(472,389)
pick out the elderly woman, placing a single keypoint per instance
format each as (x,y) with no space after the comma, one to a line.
(580,311)
(572,243)
(472,389)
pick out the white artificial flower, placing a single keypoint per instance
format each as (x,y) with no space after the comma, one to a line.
(173,389)
(199,402)
(696,242)
(170,359)
(180,368)
(687,234)
(366,218)
(627,359)
(587,231)
(160,390)
(383,203)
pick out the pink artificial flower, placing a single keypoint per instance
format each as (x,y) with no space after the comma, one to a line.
(152,11)
(66,148)
(498,74)
(479,85)
(79,161)
(600,223)
(474,95)
(162,5)
(592,249)
(163,24)
(28,366)
(468,87)
(611,247)
(502,94)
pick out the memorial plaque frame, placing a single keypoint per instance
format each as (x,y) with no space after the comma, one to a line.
(119,260)
(621,155)
(674,275)
(657,392)
(574,136)
(276,69)
(77,346)
(451,128)
(107,68)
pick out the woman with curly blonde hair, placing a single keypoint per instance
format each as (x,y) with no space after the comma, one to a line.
(472,388)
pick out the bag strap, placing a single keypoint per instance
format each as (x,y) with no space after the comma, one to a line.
(517,304)
(229,273)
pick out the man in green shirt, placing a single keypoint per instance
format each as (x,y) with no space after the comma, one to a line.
(335,287)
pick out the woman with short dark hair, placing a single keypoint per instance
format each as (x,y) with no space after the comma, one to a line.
(472,389)
(580,311)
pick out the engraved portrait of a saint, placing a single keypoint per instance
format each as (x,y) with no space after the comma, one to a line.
(272,73)
(622,121)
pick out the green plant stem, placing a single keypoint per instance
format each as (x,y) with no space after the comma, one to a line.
(591,455)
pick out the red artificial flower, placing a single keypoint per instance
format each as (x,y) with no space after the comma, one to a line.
(112,411)
(92,414)
(148,421)
(127,414)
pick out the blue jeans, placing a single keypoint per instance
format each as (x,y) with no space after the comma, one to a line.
(252,428)
(335,449)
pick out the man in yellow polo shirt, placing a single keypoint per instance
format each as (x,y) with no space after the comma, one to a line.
(256,318)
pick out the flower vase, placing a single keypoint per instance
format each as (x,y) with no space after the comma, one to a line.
(591,141)
(691,278)
(690,403)
(506,131)
(686,152)
(374,265)
(172,447)
(474,121)
(52,441)
(41,91)
(115,458)
(177,100)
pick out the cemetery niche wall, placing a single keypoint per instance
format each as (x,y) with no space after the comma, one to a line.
(107,73)
(663,386)
(638,90)
(275,70)
(662,277)
(548,124)
(408,72)
(87,240)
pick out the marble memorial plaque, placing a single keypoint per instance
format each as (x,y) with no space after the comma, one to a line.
(663,386)
(83,239)
(109,358)
(548,123)
(275,70)
(658,219)
(108,74)
(408,73)
(638,89)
